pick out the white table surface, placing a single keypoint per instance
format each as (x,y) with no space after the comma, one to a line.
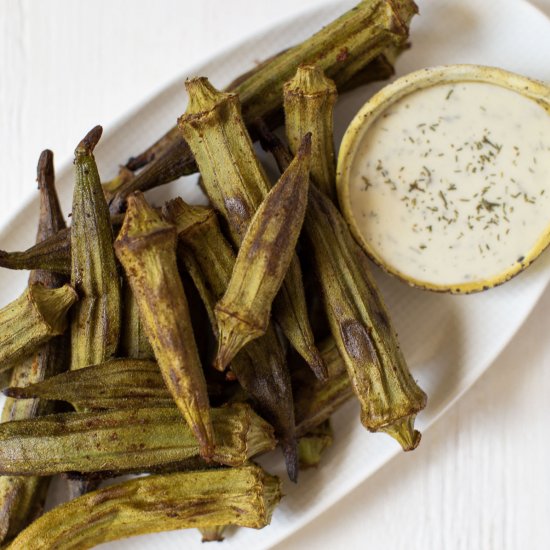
(480,479)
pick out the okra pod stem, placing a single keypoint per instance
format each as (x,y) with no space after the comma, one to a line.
(95,324)
(312,445)
(236,184)
(146,247)
(260,367)
(389,396)
(266,251)
(343,49)
(31,320)
(309,99)
(212,534)
(243,496)
(123,441)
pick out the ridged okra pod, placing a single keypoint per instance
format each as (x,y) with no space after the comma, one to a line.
(266,251)
(343,49)
(309,99)
(260,367)
(115,384)
(243,496)
(146,247)
(389,396)
(236,184)
(123,441)
(22,498)
(31,320)
(95,324)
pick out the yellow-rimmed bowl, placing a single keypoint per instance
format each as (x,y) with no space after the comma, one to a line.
(388,96)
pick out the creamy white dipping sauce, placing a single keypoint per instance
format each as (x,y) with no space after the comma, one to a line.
(451,184)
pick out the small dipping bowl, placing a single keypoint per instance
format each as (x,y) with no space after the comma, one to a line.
(444,177)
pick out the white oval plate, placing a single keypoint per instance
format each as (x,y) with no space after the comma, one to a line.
(449,340)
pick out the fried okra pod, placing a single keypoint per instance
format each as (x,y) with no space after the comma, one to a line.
(52,254)
(266,251)
(95,324)
(126,440)
(309,99)
(146,247)
(243,496)
(116,384)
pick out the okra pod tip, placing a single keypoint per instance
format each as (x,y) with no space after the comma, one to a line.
(310,80)
(232,337)
(140,222)
(203,96)
(53,304)
(186,216)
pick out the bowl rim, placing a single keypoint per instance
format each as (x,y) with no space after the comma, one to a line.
(385,98)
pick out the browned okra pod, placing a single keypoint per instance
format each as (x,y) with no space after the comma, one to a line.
(343,49)
(389,396)
(125,441)
(95,324)
(146,248)
(260,367)
(22,498)
(236,184)
(116,384)
(309,99)
(235,496)
(266,251)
